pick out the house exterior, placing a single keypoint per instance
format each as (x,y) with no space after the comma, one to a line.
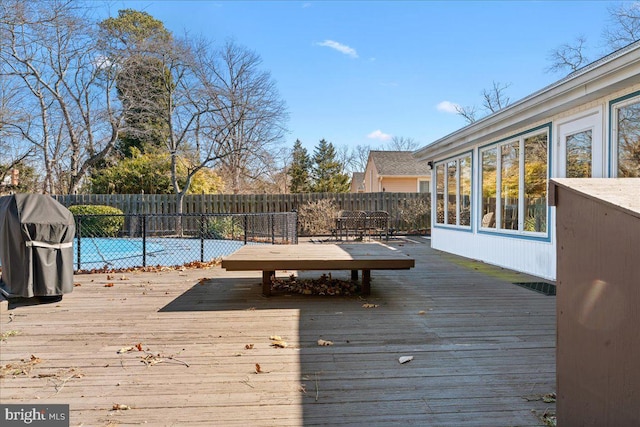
(10,181)
(396,171)
(357,183)
(490,178)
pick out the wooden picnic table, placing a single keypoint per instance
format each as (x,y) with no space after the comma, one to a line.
(354,257)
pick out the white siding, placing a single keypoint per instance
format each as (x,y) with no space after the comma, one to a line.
(534,257)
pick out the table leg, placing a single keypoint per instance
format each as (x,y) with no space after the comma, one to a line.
(266,282)
(366,282)
(354,275)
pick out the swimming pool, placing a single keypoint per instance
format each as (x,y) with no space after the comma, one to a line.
(115,253)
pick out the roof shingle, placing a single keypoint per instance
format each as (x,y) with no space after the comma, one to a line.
(398,163)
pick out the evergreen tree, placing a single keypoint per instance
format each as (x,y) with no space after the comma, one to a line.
(138,43)
(299,171)
(328,175)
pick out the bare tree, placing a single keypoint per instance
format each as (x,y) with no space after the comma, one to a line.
(359,158)
(625,25)
(402,143)
(469,113)
(67,89)
(493,100)
(569,57)
(251,109)
(12,151)
(623,29)
(197,131)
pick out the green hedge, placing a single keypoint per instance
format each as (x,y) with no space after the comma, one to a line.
(98,220)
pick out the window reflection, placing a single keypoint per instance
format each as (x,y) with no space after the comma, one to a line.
(452,187)
(628,138)
(510,188)
(489,184)
(578,148)
(465,190)
(535,183)
(440,194)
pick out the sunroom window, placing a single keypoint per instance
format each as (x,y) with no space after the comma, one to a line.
(453,185)
(627,135)
(514,184)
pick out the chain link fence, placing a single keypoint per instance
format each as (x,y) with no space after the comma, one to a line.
(114,242)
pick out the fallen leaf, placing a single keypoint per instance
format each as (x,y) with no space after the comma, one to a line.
(125,349)
(324,342)
(139,347)
(422,312)
(77,284)
(8,334)
(248,346)
(275,338)
(120,407)
(279,343)
(109,277)
(123,277)
(367,305)
(151,360)
(258,369)
(405,359)
(549,398)
(109,285)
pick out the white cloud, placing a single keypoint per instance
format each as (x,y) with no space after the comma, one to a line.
(306,5)
(342,48)
(378,134)
(448,107)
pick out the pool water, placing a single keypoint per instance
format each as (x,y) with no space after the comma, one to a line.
(104,252)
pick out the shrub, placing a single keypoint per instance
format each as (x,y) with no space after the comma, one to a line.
(413,212)
(223,228)
(98,220)
(318,217)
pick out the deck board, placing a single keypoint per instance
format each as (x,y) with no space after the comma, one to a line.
(484,350)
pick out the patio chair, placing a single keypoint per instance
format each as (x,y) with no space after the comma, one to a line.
(488,220)
(351,221)
(378,223)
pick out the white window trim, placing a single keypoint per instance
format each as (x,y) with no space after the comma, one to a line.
(428,186)
(521,184)
(445,163)
(615,107)
(598,147)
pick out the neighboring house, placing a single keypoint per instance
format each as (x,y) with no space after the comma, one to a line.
(10,181)
(396,171)
(357,182)
(490,178)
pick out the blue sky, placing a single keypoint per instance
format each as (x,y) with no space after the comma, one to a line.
(361,71)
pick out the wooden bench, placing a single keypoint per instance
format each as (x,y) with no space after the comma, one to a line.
(354,257)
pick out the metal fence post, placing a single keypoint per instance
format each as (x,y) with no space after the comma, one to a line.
(144,240)
(273,229)
(202,230)
(79,234)
(246,227)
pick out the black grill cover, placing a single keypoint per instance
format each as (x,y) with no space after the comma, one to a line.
(36,246)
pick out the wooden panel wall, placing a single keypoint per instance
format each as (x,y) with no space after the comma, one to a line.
(598,312)
(249,203)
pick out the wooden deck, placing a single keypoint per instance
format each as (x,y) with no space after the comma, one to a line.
(483,350)
(326,257)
